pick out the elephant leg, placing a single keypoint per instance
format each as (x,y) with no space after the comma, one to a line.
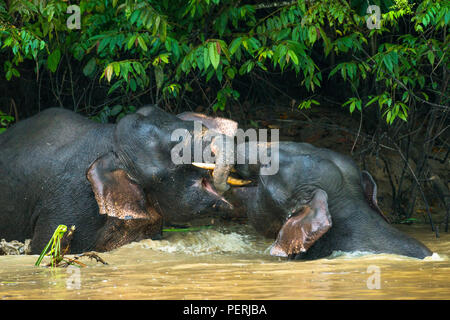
(82,214)
(42,234)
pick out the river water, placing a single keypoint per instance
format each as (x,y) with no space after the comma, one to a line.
(232,262)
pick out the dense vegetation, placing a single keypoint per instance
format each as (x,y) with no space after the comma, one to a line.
(223,53)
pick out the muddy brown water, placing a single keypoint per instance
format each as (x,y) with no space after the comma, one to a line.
(232,263)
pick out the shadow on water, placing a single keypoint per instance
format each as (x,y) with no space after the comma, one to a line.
(232,263)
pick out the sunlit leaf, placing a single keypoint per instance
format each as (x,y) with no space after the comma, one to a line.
(53,60)
(213,54)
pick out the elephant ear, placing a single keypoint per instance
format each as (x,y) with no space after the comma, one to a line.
(300,231)
(224,126)
(116,194)
(370,192)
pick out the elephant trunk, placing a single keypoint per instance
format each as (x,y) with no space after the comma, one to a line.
(222,145)
(223,164)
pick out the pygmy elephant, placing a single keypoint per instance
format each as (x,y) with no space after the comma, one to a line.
(317,202)
(116,183)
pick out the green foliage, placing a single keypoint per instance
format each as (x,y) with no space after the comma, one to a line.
(408,221)
(5,120)
(165,46)
(113,114)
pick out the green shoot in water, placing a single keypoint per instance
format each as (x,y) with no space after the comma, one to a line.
(55,243)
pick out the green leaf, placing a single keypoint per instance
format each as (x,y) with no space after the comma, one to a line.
(132,84)
(293,56)
(159,76)
(142,43)
(231,73)
(89,68)
(312,34)
(15,72)
(78,52)
(335,69)
(8,75)
(109,72)
(213,55)
(343,72)
(284,33)
(116,67)
(388,117)
(219,74)
(53,60)
(431,57)
(163,31)
(235,45)
(116,110)
(209,75)
(352,107)
(326,41)
(134,16)
(206,60)
(388,63)
(176,50)
(103,43)
(116,85)
(131,42)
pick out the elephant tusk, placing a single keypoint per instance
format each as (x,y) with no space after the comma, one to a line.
(207,166)
(230,180)
(237,182)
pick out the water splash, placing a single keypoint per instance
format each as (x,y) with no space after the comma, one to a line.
(346,254)
(372,255)
(436,257)
(205,242)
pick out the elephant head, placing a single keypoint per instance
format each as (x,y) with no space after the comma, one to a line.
(224,163)
(320,202)
(138,186)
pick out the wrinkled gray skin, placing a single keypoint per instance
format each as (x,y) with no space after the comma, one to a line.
(45,161)
(349,200)
(304,169)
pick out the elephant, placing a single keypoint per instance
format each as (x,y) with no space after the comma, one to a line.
(318,202)
(116,183)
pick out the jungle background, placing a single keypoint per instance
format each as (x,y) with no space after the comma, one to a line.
(325,72)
